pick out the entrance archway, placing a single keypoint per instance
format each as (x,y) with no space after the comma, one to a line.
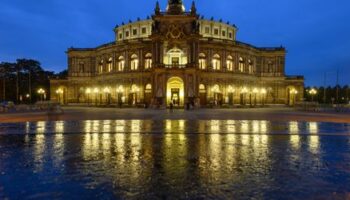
(175,91)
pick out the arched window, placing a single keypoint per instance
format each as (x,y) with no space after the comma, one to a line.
(270,66)
(148,61)
(121,63)
(202,61)
(100,67)
(216,62)
(81,67)
(148,88)
(134,62)
(202,88)
(229,63)
(110,64)
(250,66)
(241,64)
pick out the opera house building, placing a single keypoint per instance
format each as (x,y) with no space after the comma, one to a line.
(177,57)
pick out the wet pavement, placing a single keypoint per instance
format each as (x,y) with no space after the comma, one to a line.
(174,159)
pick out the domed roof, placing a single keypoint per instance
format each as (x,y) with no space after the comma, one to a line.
(175,7)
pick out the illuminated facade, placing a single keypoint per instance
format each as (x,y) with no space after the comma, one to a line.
(177,57)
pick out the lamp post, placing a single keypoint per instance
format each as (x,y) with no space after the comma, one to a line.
(41,92)
(59,92)
(263,95)
(312,92)
(88,92)
(107,91)
(244,90)
(293,93)
(231,90)
(255,92)
(120,91)
(96,92)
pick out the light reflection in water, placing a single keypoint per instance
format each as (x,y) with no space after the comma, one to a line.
(231,126)
(314,140)
(245,126)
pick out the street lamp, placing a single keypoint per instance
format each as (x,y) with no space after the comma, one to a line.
(293,92)
(41,92)
(244,90)
(231,91)
(312,92)
(88,92)
(59,92)
(120,91)
(263,95)
(255,92)
(96,92)
(107,91)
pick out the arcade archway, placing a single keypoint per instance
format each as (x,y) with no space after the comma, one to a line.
(175,91)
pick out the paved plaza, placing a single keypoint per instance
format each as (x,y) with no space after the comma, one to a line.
(94,113)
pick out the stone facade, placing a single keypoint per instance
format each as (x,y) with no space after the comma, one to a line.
(176,57)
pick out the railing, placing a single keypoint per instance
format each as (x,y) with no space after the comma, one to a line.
(175,66)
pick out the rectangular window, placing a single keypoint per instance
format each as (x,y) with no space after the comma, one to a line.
(224,33)
(126,33)
(230,35)
(207,30)
(144,30)
(120,35)
(134,32)
(216,31)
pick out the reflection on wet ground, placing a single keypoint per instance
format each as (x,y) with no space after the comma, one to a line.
(176,159)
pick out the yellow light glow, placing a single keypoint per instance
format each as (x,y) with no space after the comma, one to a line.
(59,91)
(255,90)
(88,91)
(41,91)
(263,91)
(313,91)
(120,89)
(244,90)
(231,89)
(96,90)
(107,90)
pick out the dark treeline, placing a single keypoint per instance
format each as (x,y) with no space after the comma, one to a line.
(20,81)
(338,94)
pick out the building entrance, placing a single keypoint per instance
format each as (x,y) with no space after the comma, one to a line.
(175,91)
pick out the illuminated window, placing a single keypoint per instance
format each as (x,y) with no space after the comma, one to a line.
(121,63)
(202,88)
(241,64)
(216,62)
(202,61)
(148,61)
(229,63)
(250,67)
(148,88)
(110,64)
(134,62)
(100,67)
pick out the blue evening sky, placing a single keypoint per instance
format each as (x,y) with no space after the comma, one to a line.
(315,32)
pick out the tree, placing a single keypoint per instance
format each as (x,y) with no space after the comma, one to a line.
(31,67)
(5,69)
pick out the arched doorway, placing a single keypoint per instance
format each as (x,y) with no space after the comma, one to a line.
(175,91)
